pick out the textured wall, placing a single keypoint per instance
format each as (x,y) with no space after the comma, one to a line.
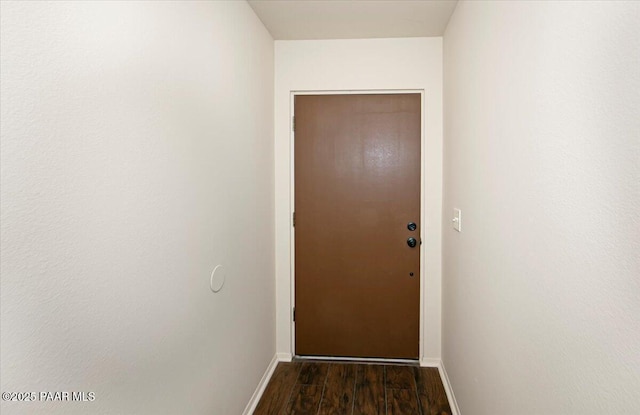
(363,64)
(137,153)
(541,290)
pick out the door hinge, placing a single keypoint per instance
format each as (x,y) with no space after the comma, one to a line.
(294,219)
(294,314)
(293,123)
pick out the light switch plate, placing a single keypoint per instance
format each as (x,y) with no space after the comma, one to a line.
(457,220)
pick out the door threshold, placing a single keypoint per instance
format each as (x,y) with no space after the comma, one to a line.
(361,360)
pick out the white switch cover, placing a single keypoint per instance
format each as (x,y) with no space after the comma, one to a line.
(457,219)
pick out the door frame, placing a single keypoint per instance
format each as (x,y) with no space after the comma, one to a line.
(292,236)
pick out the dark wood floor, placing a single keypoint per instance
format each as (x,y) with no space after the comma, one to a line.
(353,389)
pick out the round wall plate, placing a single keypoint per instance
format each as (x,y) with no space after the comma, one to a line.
(218,277)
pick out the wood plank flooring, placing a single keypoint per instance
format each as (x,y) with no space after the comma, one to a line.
(333,388)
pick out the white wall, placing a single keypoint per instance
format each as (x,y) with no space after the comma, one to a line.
(541,290)
(137,153)
(374,64)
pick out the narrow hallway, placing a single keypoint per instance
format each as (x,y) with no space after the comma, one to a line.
(352,388)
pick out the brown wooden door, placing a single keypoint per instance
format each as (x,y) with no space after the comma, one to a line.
(357,187)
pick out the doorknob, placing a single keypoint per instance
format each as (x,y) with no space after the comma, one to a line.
(412,242)
(411,226)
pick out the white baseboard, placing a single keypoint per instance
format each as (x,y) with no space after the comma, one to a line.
(253,402)
(430,362)
(447,387)
(284,357)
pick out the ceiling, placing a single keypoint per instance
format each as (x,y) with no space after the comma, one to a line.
(353,19)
